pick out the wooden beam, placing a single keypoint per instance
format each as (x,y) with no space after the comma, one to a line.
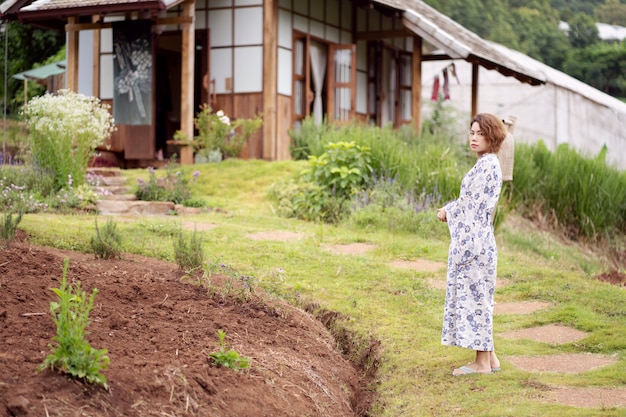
(77,27)
(475,69)
(72,58)
(270,84)
(382,34)
(187,80)
(416,87)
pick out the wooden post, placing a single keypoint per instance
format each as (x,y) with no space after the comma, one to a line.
(416,87)
(72,56)
(475,69)
(270,87)
(187,81)
(96,58)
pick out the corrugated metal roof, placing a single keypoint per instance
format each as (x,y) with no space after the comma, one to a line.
(43,72)
(457,41)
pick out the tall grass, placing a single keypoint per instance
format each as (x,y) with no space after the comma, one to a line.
(430,163)
(582,196)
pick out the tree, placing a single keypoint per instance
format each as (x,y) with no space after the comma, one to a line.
(600,65)
(582,31)
(612,12)
(27,46)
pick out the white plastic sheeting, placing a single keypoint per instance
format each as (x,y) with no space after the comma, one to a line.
(564,110)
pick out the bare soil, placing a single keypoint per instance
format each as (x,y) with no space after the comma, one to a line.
(159,331)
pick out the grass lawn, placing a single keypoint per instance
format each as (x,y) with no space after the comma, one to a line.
(394,305)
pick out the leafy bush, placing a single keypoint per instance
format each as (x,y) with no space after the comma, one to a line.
(217,132)
(64,130)
(228,357)
(73,355)
(188,255)
(324,189)
(8,228)
(106,244)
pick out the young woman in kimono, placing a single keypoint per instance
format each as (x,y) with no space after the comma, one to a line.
(472,257)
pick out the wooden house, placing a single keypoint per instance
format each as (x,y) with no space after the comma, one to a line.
(157,61)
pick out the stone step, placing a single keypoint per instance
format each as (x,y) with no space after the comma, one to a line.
(105,171)
(113,181)
(119,197)
(135,207)
(114,189)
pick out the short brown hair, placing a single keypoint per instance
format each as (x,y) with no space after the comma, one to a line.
(493,130)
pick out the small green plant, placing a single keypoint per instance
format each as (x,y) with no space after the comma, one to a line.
(9,227)
(228,357)
(106,244)
(73,355)
(188,254)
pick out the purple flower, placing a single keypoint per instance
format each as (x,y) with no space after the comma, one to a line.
(196,174)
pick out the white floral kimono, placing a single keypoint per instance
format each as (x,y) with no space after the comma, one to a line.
(472,258)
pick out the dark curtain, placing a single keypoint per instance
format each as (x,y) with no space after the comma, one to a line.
(132,95)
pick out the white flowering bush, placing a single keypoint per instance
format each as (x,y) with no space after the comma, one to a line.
(217,132)
(64,129)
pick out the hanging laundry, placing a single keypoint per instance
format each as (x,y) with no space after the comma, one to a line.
(435,94)
(446,85)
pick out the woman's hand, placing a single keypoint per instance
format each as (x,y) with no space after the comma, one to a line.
(441,214)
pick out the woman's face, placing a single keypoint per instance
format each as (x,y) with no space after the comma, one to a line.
(478,142)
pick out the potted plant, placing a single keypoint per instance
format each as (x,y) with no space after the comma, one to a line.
(220,137)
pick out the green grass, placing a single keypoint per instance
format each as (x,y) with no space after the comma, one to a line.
(393,305)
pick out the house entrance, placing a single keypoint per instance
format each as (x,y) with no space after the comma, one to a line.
(168,85)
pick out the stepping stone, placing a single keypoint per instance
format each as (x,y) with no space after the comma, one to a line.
(567,363)
(134,207)
(351,248)
(419,265)
(275,235)
(520,307)
(200,227)
(589,397)
(554,334)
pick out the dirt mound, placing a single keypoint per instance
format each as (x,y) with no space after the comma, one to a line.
(159,330)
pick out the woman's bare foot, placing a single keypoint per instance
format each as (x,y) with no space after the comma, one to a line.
(472,368)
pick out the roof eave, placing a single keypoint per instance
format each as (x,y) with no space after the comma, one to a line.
(33,16)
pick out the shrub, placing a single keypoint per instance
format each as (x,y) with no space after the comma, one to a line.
(73,355)
(64,130)
(106,244)
(188,255)
(216,131)
(9,227)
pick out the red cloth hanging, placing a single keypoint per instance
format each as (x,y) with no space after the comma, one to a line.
(435,94)
(446,85)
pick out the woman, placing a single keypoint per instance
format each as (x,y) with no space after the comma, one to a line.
(472,257)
